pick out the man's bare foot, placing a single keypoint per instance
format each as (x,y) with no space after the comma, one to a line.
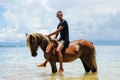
(42,65)
(60,71)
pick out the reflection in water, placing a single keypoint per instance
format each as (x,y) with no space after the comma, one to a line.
(86,76)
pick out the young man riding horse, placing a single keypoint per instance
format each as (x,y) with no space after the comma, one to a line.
(63,29)
(81,49)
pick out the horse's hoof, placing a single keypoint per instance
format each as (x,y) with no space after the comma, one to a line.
(41,65)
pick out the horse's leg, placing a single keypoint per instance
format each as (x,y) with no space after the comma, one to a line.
(53,66)
(87,69)
(43,64)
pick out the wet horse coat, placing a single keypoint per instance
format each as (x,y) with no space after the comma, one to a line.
(82,49)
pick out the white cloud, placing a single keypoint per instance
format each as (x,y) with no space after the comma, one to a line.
(10,35)
(25,16)
(88,19)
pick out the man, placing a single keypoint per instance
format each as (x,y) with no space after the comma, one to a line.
(63,29)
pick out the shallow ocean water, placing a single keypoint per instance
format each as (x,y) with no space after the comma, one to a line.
(16,63)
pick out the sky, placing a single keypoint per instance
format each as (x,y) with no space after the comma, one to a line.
(87,19)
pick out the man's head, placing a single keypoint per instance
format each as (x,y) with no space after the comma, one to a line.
(59,15)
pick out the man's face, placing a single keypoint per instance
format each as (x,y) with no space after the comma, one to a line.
(60,16)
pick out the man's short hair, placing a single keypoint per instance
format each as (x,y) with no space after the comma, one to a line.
(59,12)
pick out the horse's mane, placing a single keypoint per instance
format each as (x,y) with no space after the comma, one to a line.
(39,40)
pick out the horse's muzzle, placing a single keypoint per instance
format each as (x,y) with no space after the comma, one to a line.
(34,54)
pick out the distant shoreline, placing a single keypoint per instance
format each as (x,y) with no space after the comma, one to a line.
(23,44)
(12,45)
(26,45)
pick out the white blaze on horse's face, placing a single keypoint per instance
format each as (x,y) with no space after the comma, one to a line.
(32,44)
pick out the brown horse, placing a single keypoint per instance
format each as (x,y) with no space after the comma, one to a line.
(81,49)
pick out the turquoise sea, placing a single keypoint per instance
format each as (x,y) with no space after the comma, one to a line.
(16,63)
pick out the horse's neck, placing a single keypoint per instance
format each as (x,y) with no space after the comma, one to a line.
(43,44)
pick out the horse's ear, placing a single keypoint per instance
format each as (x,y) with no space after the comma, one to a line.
(26,34)
(31,37)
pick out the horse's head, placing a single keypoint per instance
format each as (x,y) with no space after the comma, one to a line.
(32,43)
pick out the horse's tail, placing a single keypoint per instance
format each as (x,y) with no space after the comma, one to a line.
(94,59)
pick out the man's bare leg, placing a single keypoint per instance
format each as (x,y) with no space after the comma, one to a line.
(43,64)
(59,49)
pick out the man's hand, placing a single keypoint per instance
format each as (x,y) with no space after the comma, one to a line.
(56,40)
(56,32)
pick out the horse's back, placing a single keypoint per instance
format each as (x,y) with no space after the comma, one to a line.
(76,45)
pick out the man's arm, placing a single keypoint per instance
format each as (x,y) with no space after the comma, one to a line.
(56,32)
(56,36)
